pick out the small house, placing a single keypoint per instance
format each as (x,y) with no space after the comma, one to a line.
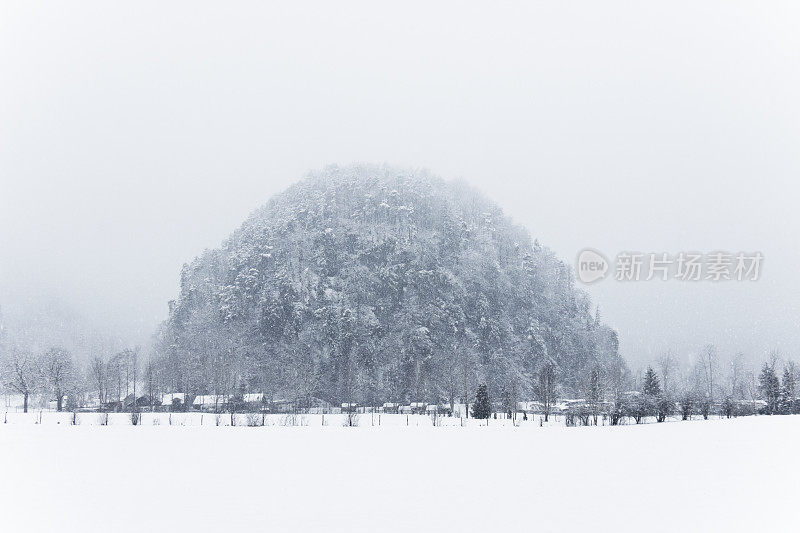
(390,407)
(173,401)
(210,402)
(141,402)
(282,405)
(256,401)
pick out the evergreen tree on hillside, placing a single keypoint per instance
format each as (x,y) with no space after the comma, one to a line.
(482,407)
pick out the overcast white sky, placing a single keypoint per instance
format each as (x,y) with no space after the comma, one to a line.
(133,136)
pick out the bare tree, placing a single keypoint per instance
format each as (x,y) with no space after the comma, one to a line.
(151,376)
(773,358)
(58,372)
(447,377)
(134,362)
(469,377)
(706,370)
(686,391)
(19,374)
(114,374)
(667,365)
(594,392)
(97,369)
(751,386)
(618,379)
(736,376)
(546,387)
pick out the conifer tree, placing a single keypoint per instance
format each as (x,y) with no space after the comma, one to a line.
(787,391)
(652,402)
(770,387)
(482,407)
(652,386)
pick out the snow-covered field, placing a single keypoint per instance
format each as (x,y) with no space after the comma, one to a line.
(717,475)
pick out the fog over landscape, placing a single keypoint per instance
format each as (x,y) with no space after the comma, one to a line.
(130,141)
(425,266)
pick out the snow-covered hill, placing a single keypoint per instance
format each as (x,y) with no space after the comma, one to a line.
(371,284)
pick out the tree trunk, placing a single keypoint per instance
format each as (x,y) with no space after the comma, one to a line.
(59,400)
(25,403)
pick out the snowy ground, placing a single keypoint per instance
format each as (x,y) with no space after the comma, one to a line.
(717,475)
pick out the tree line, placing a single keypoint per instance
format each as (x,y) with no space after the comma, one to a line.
(56,376)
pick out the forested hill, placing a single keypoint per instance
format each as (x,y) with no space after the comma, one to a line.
(371,284)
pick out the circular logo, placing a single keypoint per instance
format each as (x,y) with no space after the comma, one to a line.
(592,266)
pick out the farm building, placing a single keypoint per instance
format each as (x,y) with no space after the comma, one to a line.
(210,402)
(390,407)
(173,401)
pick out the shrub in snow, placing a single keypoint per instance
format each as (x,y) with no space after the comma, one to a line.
(727,407)
(704,406)
(664,407)
(292,419)
(350,420)
(686,404)
(636,409)
(254,420)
